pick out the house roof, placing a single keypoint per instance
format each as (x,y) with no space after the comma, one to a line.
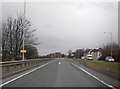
(87,50)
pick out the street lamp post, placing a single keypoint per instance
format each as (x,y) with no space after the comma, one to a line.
(111,40)
(23,29)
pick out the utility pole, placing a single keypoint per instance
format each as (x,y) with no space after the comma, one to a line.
(111,40)
(23,29)
(111,43)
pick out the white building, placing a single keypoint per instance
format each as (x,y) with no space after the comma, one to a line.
(96,53)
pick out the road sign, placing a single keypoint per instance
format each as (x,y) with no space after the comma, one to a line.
(23,51)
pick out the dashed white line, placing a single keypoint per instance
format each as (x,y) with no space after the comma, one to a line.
(26,73)
(59,63)
(93,76)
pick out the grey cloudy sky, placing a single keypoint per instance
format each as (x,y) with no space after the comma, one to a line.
(68,25)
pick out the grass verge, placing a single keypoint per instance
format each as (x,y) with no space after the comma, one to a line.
(111,68)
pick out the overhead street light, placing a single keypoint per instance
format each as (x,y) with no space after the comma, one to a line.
(110,33)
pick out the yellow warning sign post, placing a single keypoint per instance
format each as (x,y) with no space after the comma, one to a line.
(23,51)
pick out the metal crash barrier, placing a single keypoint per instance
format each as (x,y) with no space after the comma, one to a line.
(10,66)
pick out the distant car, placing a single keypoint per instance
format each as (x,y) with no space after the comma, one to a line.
(83,58)
(89,57)
(109,59)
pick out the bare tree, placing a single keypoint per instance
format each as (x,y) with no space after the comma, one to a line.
(31,52)
(7,38)
(70,53)
(12,36)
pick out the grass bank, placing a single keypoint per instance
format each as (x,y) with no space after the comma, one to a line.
(111,68)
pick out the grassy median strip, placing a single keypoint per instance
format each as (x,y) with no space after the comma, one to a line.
(111,67)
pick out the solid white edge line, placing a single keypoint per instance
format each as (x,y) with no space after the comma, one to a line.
(26,73)
(93,76)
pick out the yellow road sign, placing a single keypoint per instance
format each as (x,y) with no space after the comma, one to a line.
(23,51)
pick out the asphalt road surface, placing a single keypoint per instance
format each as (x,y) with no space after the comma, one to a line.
(59,73)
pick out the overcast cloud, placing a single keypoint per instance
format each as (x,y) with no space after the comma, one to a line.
(69,25)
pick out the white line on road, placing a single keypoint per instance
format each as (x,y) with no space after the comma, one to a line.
(59,62)
(93,76)
(26,73)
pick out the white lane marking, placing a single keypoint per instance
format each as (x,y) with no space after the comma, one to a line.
(26,73)
(93,76)
(59,62)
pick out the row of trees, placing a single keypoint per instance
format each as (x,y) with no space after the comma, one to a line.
(106,51)
(12,37)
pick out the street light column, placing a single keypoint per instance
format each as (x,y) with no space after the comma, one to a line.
(111,44)
(111,40)
(23,58)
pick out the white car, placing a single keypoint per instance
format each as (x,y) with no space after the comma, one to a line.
(89,57)
(83,58)
(109,59)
